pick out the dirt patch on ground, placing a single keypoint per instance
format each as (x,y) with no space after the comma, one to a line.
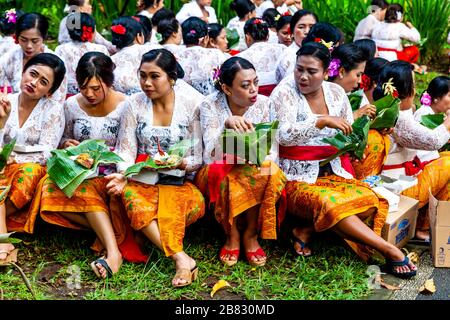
(223,294)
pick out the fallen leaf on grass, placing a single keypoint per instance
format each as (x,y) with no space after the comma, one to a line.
(219,285)
(387,285)
(413,257)
(428,287)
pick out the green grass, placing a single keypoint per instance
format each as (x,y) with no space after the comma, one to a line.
(333,273)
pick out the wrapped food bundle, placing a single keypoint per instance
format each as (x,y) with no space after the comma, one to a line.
(68,168)
(388,111)
(253,146)
(355,99)
(432,121)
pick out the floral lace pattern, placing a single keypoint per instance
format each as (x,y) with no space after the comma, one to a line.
(198,64)
(287,62)
(44,126)
(80,126)
(264,56)
(298,126)
(214,110)
(71,52)
(11,66)
(6,44)
(365,27)
(137,134)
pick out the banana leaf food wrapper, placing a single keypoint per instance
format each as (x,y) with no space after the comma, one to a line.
(253,146)
(68,168)
(5,153)
(162,159)
(388,111)
(355,99)
(432,121)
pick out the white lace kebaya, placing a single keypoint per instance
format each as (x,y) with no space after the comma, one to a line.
(286,64)
(298,126)
(44,126)
(138,135)
(214,110)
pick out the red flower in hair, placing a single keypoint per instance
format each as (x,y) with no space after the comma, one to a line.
(289,30)
(87,34)
(136,18)
(257,21)
(366,82)
(395,94)
(119,29)
(317,40)
(287,13)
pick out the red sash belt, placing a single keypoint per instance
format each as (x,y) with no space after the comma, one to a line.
(266,90)
(411,167)
(315,153)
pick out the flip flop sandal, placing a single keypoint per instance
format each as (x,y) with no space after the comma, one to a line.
(224,252)
(256,263)
(391,265)
(303,245)
(186,275)
(104,264)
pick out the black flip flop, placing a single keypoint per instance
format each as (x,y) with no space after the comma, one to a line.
(104,265)
(302,244)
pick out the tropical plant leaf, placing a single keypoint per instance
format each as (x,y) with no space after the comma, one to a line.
(354,143)
(5,153)
(388,111)
(67,174)
(432,121)
(253,146)
(355,99)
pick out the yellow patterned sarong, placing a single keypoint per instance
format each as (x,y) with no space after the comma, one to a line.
(174,208)
(247,186)
(26,183)
(375,156)
(332,199)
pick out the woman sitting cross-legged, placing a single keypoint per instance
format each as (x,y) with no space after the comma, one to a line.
(244,195)
(32,118)
(153,121)
(94,113)
(327,198)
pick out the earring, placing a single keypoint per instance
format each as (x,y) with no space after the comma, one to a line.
(172,82)
(326,77)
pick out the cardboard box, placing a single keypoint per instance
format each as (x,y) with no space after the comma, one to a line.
(439,214)
(400,226)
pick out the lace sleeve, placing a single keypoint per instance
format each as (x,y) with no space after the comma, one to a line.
(127,143)
(347,112)
(212,127)
(68,129)
(194,160)
(412,35)
(53,127)
(291,132)
(410,134)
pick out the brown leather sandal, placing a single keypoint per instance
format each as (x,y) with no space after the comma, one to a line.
(186,275)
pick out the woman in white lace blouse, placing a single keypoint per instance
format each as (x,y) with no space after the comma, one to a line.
(390,33)
(197,8)
(31,32)
(94,113)
(301,23)
(310,109)
(365,27)
(128,37)
(152,122)
(197,60)
(69,21)
(262,54)
(171,35)
(410,136)
(245,10)
(7,28)
(243,194)
(81,43)
(33,120)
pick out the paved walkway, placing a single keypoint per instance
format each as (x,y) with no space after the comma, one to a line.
(410,288)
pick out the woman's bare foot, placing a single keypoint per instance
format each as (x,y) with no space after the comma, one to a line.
(114,262)
(253,251)
(229,254)
(304,236)
(182,262)
(5,250)
(395,255)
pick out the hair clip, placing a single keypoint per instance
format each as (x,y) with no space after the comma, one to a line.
(119,29)
(11,15)
(426,99)
(333,70)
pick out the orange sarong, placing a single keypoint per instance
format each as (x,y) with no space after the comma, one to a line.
(435,177)
(375,156)
(244,187)
(26,182)
(90,196)
(332,199)
(174,208)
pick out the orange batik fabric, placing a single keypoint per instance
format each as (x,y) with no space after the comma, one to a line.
(244,187)
(174,208)
(25,182)
(375,156)
(434,178)
(332,199)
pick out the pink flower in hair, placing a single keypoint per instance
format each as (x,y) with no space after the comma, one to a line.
(333,70)
(192,31)
(426,99)
(11,15)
